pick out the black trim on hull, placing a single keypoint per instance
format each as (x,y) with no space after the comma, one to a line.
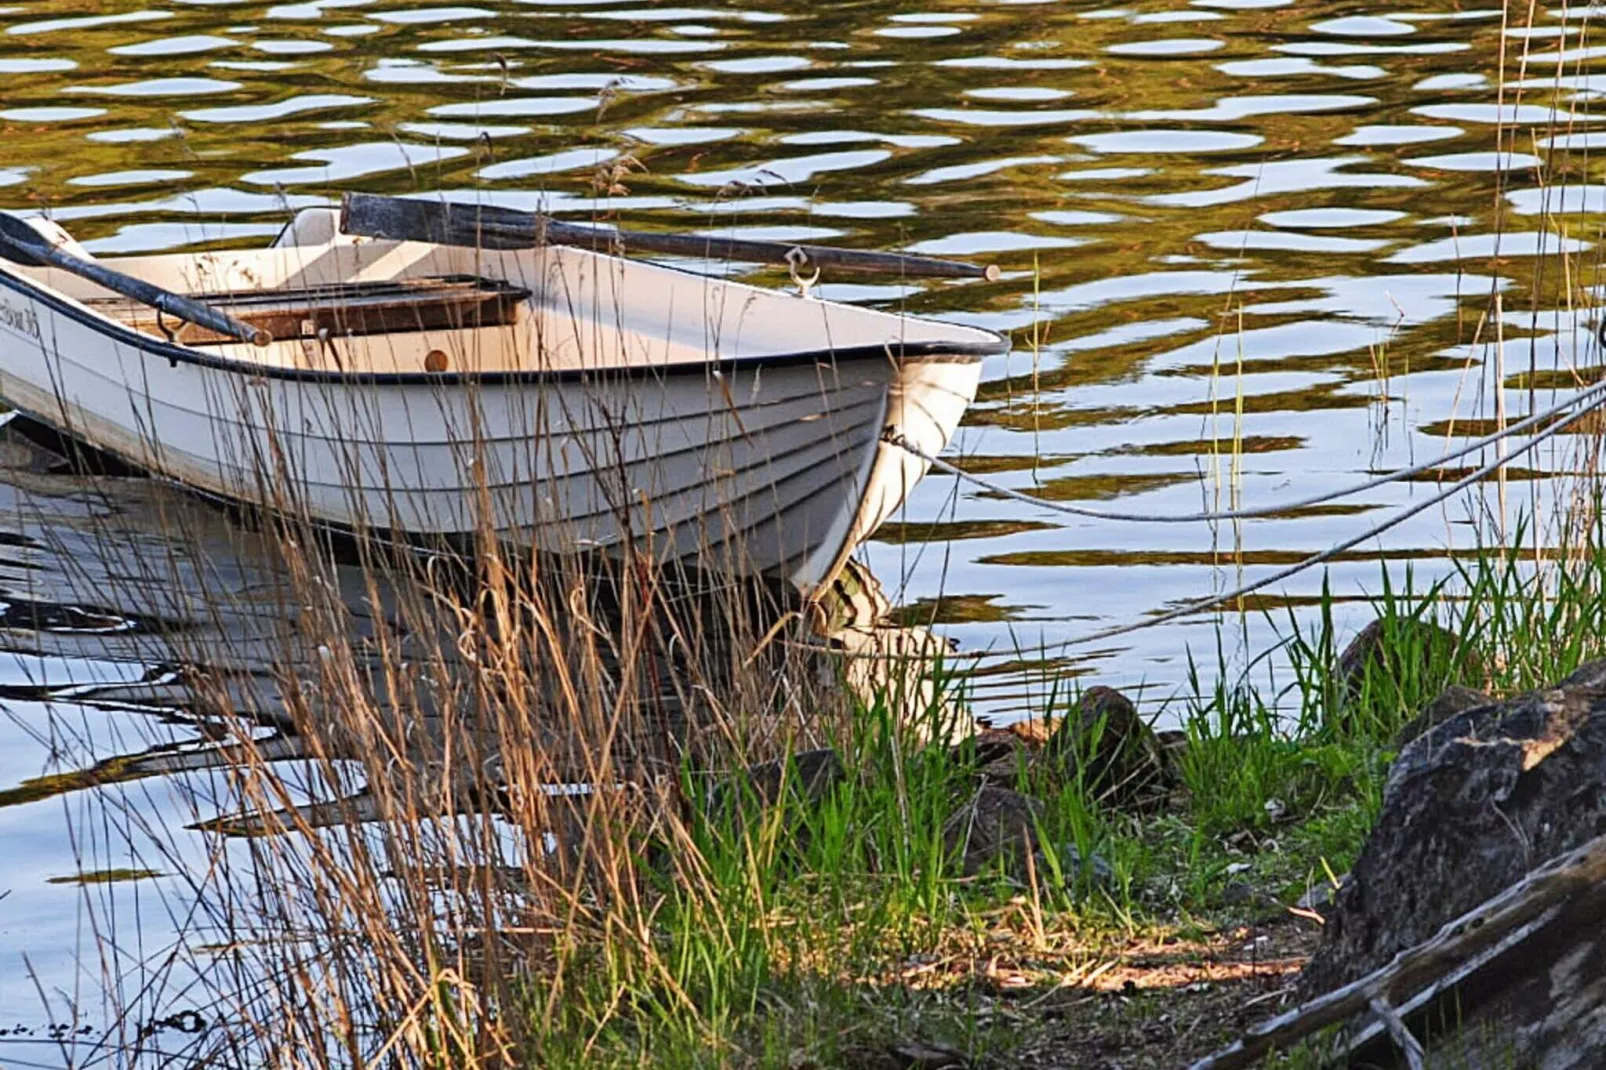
(953,352)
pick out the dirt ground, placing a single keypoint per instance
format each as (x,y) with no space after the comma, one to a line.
(1166,1006)
(1144,1004)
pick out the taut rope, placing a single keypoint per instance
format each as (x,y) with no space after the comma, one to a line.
(1560,417)
(1594,397)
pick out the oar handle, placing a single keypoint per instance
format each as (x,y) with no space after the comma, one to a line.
(176,305)
(484,226)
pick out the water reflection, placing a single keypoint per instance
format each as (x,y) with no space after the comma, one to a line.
(122,594)
(152,652)
(1250,247)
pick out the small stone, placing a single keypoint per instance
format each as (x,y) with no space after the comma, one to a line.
(1116,753)
(1239,893)
(1173,740)
(922,1055)
(995,824)
(1452,701)
(1077,869)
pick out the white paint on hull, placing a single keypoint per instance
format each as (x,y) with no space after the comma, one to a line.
(628,403)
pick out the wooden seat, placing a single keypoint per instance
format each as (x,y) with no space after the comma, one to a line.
(339,311)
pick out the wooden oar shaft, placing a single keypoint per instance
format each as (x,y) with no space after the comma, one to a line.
(487,227)
(176,305)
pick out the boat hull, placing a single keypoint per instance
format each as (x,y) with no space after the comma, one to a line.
(771,466)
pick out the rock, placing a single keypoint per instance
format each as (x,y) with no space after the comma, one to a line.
(735,798)
(1114,752)
(1118,756)
(1239,893)
(994,824)
(1001,753)
(1419,752)
(1174,741)
(1471,806)
(923,1055)
(1404,651)
(812,774)
(906,1055)
(1453,700)
(1094,868)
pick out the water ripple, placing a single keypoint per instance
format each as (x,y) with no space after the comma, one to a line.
(1295,204)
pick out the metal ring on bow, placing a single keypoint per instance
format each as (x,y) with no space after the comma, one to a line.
(796,258)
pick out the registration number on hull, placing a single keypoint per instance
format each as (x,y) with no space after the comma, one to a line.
(20,319)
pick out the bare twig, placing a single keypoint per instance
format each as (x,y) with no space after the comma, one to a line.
(1456,943)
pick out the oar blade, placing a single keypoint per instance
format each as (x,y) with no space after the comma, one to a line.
(20,243)
(370,215)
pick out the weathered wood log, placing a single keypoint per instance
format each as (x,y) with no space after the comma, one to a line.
(1493,930)
(488,227)
(22,244)
(1535,999)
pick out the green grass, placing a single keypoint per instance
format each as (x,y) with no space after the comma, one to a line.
(822,928)
(783,934)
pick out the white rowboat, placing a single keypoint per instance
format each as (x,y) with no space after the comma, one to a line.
(566,397)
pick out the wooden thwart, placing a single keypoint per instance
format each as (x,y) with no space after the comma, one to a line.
(451,303)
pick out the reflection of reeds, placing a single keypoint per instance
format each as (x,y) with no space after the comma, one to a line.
(499,779)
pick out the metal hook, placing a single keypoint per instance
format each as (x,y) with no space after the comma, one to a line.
(161,325)
(167,333)
(796,258)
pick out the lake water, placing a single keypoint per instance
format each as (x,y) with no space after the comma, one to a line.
(1251,252)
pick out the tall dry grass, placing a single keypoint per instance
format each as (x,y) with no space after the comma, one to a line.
(467,804)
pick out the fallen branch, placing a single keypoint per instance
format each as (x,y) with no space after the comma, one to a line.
(1480,930)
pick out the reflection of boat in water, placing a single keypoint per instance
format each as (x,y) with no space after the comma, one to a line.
(565,396)
(125,600)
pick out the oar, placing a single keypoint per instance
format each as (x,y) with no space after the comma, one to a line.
(486,227)
(21,243)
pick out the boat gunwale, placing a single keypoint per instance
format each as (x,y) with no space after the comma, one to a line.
(934,351)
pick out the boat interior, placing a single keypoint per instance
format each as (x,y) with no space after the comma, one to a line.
(339,303)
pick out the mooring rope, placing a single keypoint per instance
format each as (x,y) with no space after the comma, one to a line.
(1595,395)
